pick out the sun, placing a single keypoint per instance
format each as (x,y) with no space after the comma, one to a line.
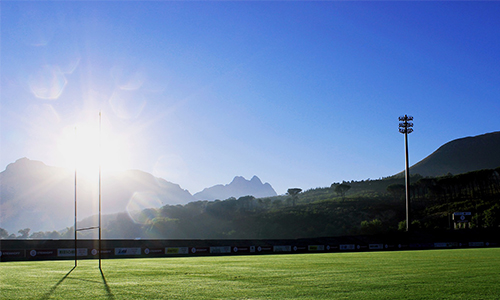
(89,147)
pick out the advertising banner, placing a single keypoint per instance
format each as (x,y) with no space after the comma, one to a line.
(154,251)
(71,252)
(127,251)
(445,245)
(316,247)
(200,250)
(43,252)
(244,249)
(6,254)
(221,249)
(347,247)
(106,252)
(332,248)
(299,248)
(264,249)
(376,246)
(176,250)
(282,248)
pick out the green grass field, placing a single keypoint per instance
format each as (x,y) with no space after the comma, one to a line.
(432,274)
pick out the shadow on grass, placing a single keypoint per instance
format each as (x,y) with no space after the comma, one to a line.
(53,289)
(106,286)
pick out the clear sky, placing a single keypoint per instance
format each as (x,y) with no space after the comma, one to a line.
(301,94)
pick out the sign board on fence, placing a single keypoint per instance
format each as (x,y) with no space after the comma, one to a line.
(316,247)
(154,251)
(282,248)
(127,251)
(223,249)
(71,252)
(348,247)
(376,246)
(12,253)
(177,250)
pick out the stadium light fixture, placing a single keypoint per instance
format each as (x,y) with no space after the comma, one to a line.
(405,127)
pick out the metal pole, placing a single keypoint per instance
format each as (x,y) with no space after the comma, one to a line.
(75,199)
(405,128)
(100,162)
(407,183)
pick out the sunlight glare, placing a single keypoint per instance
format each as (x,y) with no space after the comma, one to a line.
(83,150)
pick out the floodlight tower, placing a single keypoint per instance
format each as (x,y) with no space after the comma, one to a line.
(405,127)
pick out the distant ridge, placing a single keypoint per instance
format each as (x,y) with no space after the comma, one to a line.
(237,188)
(34,195)
(461,156)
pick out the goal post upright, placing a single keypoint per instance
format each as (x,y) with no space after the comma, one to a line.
(100,171)
(76,229)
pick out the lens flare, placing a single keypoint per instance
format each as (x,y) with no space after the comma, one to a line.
(127,104)
(48,82)
(138,205)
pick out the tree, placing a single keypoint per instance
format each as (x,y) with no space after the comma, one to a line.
(396,190)
(341,189)
(3,233)
(492,216)
(373,227)
(294,192)
(24,233)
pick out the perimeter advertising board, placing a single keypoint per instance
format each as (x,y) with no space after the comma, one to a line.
(316,248)
(177,250)
(43,253)
(243,249)
(65,252)
(127,251)
(220,250)
(282,249)
(154,251)
(12,254)
(264,249)
(347,247)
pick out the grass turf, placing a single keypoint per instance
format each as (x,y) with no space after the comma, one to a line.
(432,274)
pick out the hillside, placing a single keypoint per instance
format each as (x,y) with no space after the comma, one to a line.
(462,156)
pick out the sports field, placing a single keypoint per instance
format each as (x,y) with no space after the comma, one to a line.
(431,274)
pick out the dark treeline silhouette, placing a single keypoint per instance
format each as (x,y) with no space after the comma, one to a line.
(347,208)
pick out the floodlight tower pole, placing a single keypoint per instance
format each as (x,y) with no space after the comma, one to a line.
(405,128)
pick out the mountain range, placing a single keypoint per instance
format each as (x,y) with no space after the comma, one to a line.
(34,195)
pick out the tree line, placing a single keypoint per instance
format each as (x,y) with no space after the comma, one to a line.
(344,208)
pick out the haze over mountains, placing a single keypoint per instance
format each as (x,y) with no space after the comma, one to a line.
(40,197)
(34,195)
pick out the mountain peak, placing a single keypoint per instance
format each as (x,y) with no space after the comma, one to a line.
(255,179)
(238,187)
(238,179)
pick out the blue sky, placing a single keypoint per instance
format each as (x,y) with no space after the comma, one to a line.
(301,94)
